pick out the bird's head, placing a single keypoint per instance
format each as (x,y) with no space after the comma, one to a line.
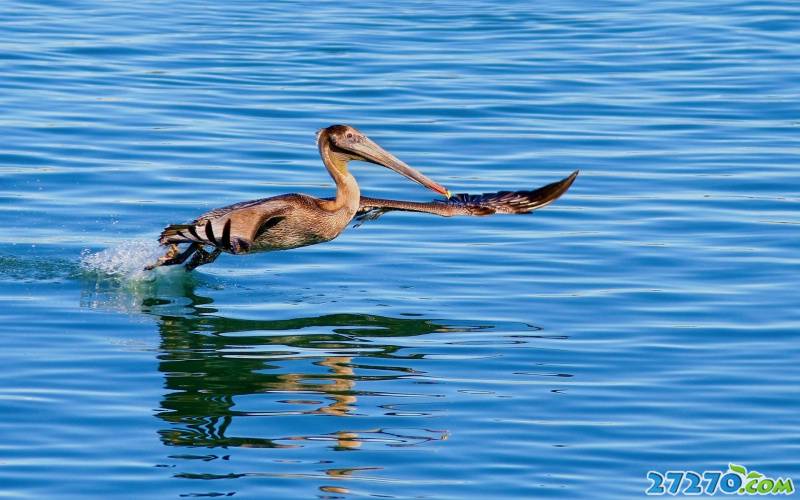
(347,143)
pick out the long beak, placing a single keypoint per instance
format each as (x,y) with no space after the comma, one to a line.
(373,153)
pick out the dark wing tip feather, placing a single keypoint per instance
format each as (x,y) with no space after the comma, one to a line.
(514,202)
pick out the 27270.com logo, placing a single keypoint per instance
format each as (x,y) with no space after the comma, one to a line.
(735,481)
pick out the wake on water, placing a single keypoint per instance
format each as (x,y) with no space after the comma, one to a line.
(111,279)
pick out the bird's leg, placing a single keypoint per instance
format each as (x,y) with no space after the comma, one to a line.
(173,257)
(202,257)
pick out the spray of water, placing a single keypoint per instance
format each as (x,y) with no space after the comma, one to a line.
(124,262)
(114,279)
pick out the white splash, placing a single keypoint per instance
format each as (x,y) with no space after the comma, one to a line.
(125,261)
(114,279)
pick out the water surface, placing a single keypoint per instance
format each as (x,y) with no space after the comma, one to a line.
(647,320)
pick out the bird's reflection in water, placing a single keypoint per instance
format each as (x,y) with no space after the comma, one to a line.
(209,361)
(225,376)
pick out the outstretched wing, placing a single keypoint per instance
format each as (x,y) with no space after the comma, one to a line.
(502,202)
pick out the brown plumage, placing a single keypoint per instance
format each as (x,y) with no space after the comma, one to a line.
(296,220)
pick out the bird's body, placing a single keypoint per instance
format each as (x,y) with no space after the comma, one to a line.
(296,220)
(276,223)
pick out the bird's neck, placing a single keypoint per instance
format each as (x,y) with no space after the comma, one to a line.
(347,192)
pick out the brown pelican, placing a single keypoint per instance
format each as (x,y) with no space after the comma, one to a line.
(296,220)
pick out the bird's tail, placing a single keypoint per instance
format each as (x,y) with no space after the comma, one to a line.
(176,234)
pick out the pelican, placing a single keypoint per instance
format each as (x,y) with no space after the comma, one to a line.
(295,220)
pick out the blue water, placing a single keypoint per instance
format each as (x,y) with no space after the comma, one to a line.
(647,320)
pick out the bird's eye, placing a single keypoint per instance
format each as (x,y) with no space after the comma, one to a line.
(349,135)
